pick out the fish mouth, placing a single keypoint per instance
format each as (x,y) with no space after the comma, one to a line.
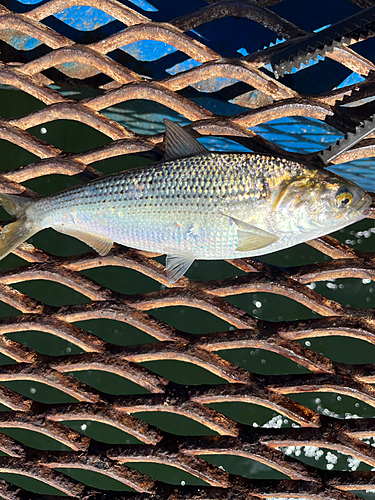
(366,205)
(362,216)
(365,211)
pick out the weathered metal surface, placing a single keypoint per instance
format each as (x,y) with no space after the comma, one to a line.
(86,63)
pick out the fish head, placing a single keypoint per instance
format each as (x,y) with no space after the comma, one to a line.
(318,203)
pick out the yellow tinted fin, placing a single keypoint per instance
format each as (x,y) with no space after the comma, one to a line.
(15,205)
(17,232)
(14,234)
(99,243)
(250,241)
(251,237)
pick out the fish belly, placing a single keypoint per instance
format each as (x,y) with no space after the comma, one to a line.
(178,205)
(207,236)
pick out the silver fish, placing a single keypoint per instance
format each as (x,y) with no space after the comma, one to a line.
(195,204)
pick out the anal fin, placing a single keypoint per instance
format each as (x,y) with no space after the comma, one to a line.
(100,244)
(177,263)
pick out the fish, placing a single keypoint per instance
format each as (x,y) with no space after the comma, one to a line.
(194,204)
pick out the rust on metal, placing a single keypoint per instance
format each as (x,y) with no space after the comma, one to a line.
(62,61)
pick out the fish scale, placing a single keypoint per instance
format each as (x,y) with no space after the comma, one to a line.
(168,198)
(203,206)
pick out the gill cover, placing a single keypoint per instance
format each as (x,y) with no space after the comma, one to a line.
(296,192)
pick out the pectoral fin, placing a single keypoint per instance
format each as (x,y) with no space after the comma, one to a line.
(251,237)
(177,263)
(99,243)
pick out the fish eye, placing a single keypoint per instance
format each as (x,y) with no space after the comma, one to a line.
(343,197)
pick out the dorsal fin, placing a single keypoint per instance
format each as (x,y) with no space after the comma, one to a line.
(180,144)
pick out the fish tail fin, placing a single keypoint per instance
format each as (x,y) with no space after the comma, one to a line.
(15,205)
(16,232)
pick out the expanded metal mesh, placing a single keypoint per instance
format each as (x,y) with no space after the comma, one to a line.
(88,64)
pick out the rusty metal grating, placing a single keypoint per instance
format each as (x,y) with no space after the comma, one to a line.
(97,63)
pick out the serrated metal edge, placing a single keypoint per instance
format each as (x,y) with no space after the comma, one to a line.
(350,139)
(299,60)
(355,30)
(303,57)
